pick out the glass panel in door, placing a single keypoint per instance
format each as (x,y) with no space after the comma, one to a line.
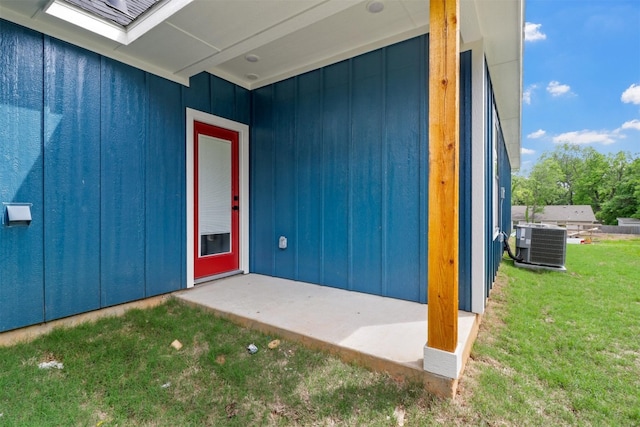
(217,205)
(214,194)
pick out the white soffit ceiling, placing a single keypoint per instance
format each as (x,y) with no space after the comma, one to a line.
(215,35)
(294,36)
(337,37)
(502,25)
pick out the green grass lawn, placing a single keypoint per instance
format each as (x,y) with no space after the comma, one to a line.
(554,349)
(123,371)
(567,348)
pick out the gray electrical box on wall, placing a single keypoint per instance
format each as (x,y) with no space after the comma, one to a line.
(17,214)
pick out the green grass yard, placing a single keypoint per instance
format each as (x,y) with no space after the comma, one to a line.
(564,349)
(554,349)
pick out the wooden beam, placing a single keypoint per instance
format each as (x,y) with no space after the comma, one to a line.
(444,146)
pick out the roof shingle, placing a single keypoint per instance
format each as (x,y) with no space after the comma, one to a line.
(107,10)
(560,213)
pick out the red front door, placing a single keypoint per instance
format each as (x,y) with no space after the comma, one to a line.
(217,201)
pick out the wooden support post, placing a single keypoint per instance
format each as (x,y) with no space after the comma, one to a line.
(444,146)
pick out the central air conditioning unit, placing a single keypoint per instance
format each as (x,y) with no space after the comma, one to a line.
(541,246)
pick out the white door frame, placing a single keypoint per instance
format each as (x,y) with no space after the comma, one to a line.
(243,171)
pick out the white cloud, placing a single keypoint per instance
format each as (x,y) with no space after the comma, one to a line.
(631,124)
(532,32)
(527,151)
(586,137)
(526,95)
(556,89)
(537,134)
(604,137)
(631,95)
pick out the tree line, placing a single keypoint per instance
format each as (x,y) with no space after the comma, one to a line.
(574,175)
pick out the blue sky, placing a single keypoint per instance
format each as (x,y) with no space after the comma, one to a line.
(581,81)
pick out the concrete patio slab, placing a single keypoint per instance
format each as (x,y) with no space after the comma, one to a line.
(380,333)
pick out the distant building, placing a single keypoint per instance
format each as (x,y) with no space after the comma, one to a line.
(564,215)
(622,222)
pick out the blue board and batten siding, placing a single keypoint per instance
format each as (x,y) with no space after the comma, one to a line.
(21,175)
(98,148)
(72,181)
(339,160)
(489,181)
(493,129)
(338,165)
(466,188)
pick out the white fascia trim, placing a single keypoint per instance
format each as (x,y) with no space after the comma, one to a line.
(48,27)
(84,19)
(478,178)
(148,21)
(243,154)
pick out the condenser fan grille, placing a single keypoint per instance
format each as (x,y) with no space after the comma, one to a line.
(547,246)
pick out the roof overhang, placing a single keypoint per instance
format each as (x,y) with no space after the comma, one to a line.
(182,38)
(504,52)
